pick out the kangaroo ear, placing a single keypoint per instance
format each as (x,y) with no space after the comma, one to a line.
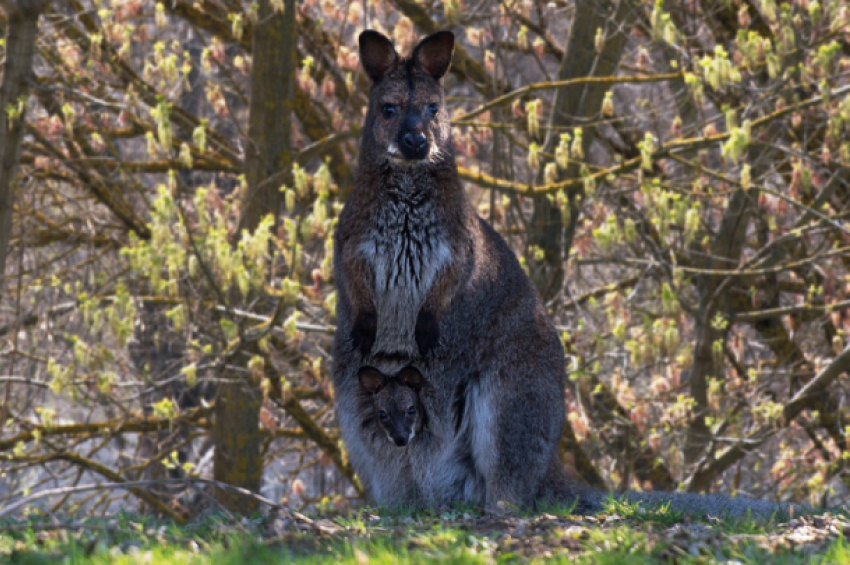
(410,376)
(377,54)
(371,379)
(434,53)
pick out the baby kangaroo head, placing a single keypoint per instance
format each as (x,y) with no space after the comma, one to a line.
(398,409)
(406,123)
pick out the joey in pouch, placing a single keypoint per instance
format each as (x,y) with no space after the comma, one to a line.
(398,410)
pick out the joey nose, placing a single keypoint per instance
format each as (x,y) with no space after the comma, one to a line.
(413,144)
(400,441)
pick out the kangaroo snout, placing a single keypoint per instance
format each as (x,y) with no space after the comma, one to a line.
(414,145)
(400,441)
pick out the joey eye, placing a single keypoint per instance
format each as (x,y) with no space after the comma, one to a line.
(382,415)
(389,110)
(432,110)
(411,410)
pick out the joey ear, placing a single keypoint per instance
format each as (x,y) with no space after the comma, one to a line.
(371,379)
(434,53)
(377,54)
(410,376)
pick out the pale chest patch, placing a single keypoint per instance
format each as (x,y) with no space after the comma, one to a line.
(406,248)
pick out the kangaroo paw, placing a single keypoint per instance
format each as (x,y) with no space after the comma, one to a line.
(364,331)
(427,332)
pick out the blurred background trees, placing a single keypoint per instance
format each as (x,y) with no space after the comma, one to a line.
(673,175)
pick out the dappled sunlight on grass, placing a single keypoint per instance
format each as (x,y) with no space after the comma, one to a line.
(623,533)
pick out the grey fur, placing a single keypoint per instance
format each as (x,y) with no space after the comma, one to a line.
(718,505)
(398,411)
(408,244)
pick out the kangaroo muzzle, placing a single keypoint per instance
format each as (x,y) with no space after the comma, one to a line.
(412,140)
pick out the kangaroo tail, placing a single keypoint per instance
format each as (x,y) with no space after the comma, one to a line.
(559,488)
(717,505)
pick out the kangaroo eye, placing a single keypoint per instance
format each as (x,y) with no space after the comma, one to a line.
(382,415)
(432,109)
(389,110)
(411,410)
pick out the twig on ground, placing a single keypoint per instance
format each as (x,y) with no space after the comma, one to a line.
(17,505)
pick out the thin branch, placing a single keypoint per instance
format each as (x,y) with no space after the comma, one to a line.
(138,424)
(711,468)
(535,86)
(322,440)
(62,491)
(667,150)
(756,315)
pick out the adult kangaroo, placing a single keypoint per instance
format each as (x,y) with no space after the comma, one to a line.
(422,280)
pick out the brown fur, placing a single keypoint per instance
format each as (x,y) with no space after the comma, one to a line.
(423,281)
(408,87)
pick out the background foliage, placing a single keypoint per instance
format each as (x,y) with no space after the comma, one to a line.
(673,175)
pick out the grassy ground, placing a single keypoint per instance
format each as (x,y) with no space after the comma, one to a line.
(623,534)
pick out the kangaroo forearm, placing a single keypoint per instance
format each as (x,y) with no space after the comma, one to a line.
(357,278)
(427,331)
(443,291)
(357,281)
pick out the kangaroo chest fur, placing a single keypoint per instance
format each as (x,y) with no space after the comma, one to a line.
(406,248)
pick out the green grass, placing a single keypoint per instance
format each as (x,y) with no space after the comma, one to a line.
(623,534)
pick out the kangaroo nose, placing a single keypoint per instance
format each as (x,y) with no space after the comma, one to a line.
(414,141)
(400,441)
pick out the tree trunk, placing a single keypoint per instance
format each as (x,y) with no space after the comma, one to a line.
(236,434)
(714,298)
(269,150)
(21,35)
(573,106)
